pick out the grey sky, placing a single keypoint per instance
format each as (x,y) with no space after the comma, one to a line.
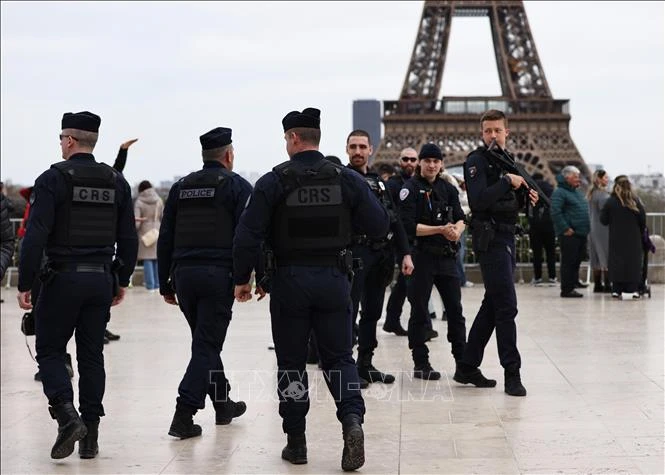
(167,72)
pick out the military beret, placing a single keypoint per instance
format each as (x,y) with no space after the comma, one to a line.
(81,121)
(309,118)
(216,138)
(430,150)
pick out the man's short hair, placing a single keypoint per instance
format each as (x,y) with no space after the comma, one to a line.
(308,135)
(359,133)
(570,170)
(215,153)
(494,114)
(85,138)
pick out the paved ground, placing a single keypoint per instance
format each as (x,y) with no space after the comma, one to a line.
(593,368)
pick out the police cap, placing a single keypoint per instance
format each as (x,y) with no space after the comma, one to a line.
(81,121)
(216,138)
(430,150)
(309,118)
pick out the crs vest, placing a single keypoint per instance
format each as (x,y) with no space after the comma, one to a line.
(89,215)
(203,218)
(312,217)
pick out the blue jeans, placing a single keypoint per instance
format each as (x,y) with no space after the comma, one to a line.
(150,279)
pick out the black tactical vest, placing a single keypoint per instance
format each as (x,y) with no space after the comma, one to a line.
(506,208)
(312,217)
(203,218)
(432,209)
(89,215)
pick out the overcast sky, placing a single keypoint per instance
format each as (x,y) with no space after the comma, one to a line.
(166,72)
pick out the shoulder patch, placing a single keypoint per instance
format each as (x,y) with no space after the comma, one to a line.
(382,186)
(473,171)
(403,193)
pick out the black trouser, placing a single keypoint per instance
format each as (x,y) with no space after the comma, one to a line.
(205,296)
(313,299)
(499,307)
(396,301)
(543,238)
(572,252)
(627,287)
(74,303)
(419,287)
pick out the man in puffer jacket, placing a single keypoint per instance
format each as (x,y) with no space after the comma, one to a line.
(6,237)
(570,216)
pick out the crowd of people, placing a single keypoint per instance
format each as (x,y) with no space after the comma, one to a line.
(323,239)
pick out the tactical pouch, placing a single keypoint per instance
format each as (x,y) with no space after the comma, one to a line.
(115,269)
(28,324)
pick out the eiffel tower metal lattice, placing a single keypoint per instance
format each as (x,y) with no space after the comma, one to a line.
(540,137)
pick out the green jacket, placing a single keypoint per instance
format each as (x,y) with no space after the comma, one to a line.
(570,209)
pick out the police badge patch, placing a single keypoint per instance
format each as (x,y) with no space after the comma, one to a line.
(403,193)
(472,171)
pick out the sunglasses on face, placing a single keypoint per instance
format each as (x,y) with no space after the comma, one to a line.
(409,159)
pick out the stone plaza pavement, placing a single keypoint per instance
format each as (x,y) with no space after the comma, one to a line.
(593,368)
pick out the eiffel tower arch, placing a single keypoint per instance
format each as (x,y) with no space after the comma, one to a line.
(539,124)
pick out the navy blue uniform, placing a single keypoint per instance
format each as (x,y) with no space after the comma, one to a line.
(368,288)
(495,205)
(434,262)
(306,298)
(202,276)
(76,298)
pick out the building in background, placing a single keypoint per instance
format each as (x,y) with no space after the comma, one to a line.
(367,116)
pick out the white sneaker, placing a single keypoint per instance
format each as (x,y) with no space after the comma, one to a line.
(630,296)
(468,283)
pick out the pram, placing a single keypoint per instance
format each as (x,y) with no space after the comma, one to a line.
(648,246)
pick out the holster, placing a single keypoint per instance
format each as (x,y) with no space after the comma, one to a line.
(116,265)
(269,271)
(47,274)
(482,234)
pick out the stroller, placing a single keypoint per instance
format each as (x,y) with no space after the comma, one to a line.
(647,246)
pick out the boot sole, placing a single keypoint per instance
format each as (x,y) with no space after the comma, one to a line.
(66,447)
(295,461)
(354,457)
(468,381)
(88,455)
(183,436)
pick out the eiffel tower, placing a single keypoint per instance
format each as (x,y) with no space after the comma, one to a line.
(539,139)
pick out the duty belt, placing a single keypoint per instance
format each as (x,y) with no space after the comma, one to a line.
(80,267)
(370,243)
(307,261)
(442,250)
(500,227)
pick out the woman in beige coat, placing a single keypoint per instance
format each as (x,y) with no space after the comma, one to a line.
(148,211)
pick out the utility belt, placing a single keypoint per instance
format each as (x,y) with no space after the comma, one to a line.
(483,232)
(372,244)
(445,250)
(51,268)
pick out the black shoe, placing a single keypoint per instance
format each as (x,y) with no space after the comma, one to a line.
(513,382)
(71,429)
(68,365)
(444,316)
(38,377)
(581,285)
(396,329)
(368,372)
(353,455)
(111,336)
(430,333)
(226,411)
(106,341)
(425,371)
(183,425)
(88,447)
(296,449)
(573,294)
(364,384)
(465,374)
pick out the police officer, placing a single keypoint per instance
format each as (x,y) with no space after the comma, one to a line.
(407,162)
(194,256)
(434,221)
(378,261)
(494,198)
(79,210)
(307,209)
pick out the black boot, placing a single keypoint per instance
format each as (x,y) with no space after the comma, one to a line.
(368,372)
(597,282)
(466,374)
(183,425)
(111,336)
(425,371)
(607,285)
(513,382)
(353,455)
(296,449)
(88,447)
(395,328)
(68,365)
(71,429)
(228,410)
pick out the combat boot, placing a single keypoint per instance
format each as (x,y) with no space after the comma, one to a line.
(88,447)
(353,455)
(425,371)
(183,425)
(513,382)
(228,410)
(597,282)
(296,449)
(71,429)
(466,374)
(368,372)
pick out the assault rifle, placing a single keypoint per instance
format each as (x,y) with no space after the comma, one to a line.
(508,163)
